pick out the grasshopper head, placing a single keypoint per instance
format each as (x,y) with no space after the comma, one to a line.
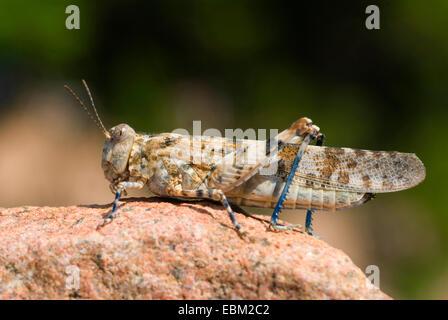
(118,145)
(116,151)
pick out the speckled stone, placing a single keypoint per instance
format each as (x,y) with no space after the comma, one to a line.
(160,249)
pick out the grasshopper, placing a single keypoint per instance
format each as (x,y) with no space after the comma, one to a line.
(310,177)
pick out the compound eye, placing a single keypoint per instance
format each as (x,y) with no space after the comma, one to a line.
(118,133)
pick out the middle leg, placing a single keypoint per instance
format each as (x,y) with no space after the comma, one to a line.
(213,194)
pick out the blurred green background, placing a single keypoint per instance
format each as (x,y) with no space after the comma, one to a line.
(159,65)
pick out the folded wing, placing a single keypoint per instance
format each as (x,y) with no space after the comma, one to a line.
(355,170)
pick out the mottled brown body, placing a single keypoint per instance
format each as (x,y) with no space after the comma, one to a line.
(327,178)
(284,171)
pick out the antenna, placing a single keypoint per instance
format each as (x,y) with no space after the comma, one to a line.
(98,122)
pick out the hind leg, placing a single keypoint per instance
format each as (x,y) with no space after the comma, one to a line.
(309,213)
(308,224)
(307,139)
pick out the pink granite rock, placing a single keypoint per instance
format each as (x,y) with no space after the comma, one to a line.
(160,249)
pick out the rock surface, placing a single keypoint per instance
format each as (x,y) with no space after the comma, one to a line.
(164,249)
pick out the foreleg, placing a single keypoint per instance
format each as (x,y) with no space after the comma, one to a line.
(119,189)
